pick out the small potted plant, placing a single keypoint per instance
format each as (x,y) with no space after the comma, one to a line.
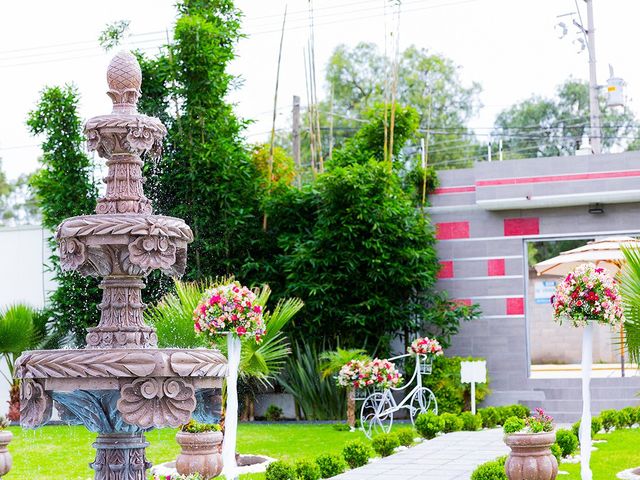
(5,438)
(201,445)
(530,441)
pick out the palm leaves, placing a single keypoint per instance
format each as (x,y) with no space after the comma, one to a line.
(172,316)
(332,361)
(262,361)
(319,398)
(630,289)
(17,334)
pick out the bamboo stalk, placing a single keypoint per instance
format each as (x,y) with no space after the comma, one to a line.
(273,122)
(426,155)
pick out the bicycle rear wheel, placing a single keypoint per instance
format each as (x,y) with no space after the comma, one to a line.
(376,414)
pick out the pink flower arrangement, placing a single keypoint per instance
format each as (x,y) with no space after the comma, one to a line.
(377,373)
(229,308)
(588,294)
(540,422)
(425,346)
(353,374)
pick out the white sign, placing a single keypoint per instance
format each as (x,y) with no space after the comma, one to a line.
(544,290)
(473,372)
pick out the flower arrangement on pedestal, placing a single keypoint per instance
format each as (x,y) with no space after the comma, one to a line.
(229,308)
(587,295)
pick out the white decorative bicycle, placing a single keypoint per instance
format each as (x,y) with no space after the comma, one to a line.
(376,413)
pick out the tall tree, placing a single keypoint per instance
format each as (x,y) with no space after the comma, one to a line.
(428,82)
(354,247)
(63,188)
(547,127)
(206,175)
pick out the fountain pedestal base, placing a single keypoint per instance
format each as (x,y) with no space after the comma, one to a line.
(120,457)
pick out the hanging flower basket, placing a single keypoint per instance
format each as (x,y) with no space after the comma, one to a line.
(368,376)
(425,349)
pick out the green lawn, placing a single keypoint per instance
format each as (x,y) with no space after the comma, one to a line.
(63,453)
(619,453)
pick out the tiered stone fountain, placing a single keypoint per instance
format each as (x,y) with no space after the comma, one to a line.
(121,385)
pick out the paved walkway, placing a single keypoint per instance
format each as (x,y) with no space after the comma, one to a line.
(448,457)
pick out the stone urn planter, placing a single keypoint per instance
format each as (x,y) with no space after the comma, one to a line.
(531,457)
(5,457)
(201,453)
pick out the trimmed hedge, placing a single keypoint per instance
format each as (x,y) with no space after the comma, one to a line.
(356,453)
(493,470)
(330,465)
(385,444)
(567,442)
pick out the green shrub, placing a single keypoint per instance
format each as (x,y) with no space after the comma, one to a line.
(273,413)
(609,419)
(453,396)
(307,470)
(356,453)
(637,414)
(280,470)
(623,419)
(633,415)
(503,413)
(406,436)
(451,423)
(513,425)
(385,443)
(428,425)
(520,411)
(196,427)
(596,426)
(493,470)
(567,442)
(330,465)
(471,422)
(342,427)
(557,452)
(489,417)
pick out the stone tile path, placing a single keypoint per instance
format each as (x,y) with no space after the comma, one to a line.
(448,457)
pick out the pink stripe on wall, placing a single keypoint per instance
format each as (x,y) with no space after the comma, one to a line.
(558,178)
(446,269)
(495,267)
(515,306)
(451,230)
(521,226)
(447,190)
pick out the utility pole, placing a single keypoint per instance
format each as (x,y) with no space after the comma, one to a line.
(295,137)
(594,108)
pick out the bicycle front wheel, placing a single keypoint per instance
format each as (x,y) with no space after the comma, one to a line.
(422,401)
(376,414)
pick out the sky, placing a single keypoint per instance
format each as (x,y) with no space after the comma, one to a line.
(509,47)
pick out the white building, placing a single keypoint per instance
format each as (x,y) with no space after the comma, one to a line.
(25,279)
